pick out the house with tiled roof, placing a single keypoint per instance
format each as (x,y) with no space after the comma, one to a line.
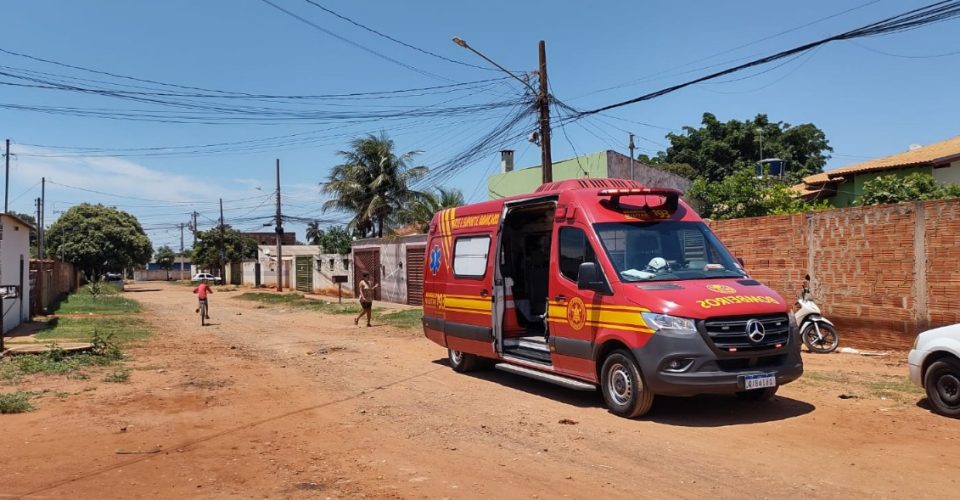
(843,186)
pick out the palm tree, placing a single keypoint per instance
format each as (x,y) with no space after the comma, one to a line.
(314,233)
(372,183)
(421,209)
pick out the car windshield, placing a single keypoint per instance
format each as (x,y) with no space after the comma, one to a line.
(666,251)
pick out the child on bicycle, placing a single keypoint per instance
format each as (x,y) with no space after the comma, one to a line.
(202,290)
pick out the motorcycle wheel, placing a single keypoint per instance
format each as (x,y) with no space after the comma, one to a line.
(825,343)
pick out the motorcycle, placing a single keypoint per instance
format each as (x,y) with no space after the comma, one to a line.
(816,332)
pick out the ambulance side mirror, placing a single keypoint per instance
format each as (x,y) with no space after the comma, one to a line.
(588,277)
(742,264)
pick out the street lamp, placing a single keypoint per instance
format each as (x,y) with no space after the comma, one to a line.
(463,43)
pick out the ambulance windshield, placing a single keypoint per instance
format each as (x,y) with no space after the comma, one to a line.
(666,251)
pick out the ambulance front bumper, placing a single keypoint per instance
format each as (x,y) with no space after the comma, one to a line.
(685,365)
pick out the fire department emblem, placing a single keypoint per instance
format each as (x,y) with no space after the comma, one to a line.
(435,258)
(722,289)
(576,313)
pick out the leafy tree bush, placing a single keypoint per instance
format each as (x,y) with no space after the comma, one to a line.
(237,247)
(743,195)
(894,188)
(99,239)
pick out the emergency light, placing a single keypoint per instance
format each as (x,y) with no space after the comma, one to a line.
(669,196)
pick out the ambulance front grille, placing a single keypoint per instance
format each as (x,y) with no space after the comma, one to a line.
(729,333)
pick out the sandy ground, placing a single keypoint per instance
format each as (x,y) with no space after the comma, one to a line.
(269,402)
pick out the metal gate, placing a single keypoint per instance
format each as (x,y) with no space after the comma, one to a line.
(236,273)
(366,261)
(415,275)
(304,274)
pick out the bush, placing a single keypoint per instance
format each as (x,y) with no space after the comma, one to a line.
(16,402)
(894,188)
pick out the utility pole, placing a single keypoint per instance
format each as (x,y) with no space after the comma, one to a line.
(543,100)
(6,184)
(194,228)
(41,234)
(630,145)
(279,235)
(38,203)
(223,249)
(181,251)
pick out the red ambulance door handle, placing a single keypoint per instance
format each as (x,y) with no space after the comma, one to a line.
(560,298)
(484,292)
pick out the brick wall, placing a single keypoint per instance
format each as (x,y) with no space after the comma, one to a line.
(882,273)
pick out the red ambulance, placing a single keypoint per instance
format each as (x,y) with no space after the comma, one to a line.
(604,283)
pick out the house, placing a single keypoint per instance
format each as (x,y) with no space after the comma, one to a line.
(602,164)
(396,263)
(842,187)
(14,271)
(305,268)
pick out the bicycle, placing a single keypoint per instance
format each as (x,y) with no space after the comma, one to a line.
(203,312)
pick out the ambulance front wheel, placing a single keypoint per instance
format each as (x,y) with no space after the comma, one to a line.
(461,361)
(622,386)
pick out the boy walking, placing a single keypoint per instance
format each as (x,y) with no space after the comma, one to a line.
(366,299)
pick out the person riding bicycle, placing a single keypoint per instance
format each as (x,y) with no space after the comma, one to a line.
(202,290)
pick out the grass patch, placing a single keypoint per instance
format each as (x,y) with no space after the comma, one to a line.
(299,301)
(56,361)
(408,318)
(118,376)
(83,302)
(121,329)
(16,402)
(895,388)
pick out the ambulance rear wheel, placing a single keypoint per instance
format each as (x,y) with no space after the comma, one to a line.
(622,386)
(461,361)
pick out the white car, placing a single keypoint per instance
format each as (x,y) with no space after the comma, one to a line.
(205,276)
(935,365)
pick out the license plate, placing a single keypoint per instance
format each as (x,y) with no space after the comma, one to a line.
(759,381)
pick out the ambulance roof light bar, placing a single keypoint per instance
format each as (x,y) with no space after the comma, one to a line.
(671,196)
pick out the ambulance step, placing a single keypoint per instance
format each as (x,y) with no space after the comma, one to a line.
(560,380)
(530,354)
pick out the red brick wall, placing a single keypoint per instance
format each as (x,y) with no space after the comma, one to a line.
(864,264)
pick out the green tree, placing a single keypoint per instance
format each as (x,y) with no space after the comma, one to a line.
(314,233)
(420,210)
(335,239)
(236,247)
(372,183)
(165,258)
(894,188)
(99,239)
(718,149)
(743,195)
(682,169)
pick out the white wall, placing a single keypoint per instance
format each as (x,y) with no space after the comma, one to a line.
(14,259)
(323,273)
(393,253)
(949,174)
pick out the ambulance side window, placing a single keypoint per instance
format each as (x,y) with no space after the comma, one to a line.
(574,250)
(470,256)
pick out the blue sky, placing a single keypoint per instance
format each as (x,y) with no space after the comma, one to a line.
(872,97)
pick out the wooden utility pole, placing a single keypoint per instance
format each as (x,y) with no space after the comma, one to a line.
(223,249)
(279,226)
(181,251)
(543,101)
(630,146)
(6,184)
(194,228)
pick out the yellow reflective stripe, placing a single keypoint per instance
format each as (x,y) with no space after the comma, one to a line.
(468,311)
(476,304)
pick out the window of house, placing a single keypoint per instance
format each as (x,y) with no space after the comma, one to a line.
(470,256)
(574,250)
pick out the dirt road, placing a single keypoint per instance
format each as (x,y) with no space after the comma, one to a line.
(288,403)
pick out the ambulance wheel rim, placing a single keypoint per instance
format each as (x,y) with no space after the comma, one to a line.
(620,384)
(456,357)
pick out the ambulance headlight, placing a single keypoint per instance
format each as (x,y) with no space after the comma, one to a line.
(669,324)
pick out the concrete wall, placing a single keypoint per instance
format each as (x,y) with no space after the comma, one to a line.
(323,273)
(15,270)
(948,175)
(883,273)
(59,279)
(618,166)
(393,257)
(529,179)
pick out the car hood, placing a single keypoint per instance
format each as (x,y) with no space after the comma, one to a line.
(701,299)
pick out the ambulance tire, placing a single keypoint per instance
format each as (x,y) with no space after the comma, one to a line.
(462,362)
(622,386)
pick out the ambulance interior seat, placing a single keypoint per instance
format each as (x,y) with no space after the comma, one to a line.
(525,267)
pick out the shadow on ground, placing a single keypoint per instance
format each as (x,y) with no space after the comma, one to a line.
(707,410)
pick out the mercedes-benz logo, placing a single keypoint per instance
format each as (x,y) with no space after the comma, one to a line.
(755,331)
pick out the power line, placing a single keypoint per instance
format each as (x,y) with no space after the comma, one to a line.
(354,44)
(907,21)
(392,39)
